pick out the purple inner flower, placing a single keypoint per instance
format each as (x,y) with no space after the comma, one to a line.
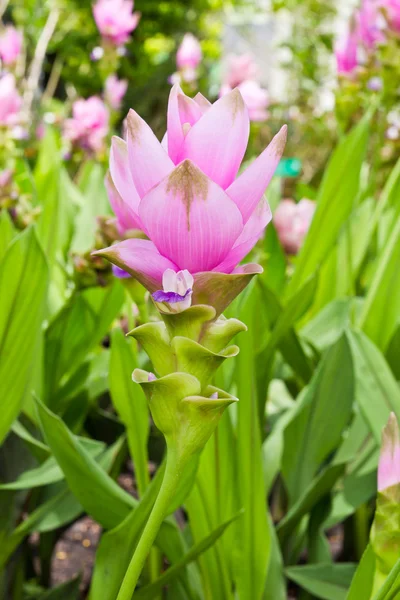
(120,273)
(170,297)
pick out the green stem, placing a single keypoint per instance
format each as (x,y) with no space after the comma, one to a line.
(173,470)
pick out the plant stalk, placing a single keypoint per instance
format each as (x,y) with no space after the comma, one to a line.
(173,470)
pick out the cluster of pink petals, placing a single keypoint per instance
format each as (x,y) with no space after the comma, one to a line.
(255,98)
(10,100)
(10,45)
(389,462)
(189,54)
(292,222)
(242,73)
(89,124)
(370,23)
(114,91)
(115,19)
(346,53)
(392,8)
(240,68)
(183,192)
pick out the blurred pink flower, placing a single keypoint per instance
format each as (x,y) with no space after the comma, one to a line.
(292,222)
(184,193)
(346,53)
(115,19)
(114,91)
(255,98)
(10,45)
(239,68)
(89,124)
(389,462)
(393,13)
(10,100)
(370,23)
(189,54)
(5,178)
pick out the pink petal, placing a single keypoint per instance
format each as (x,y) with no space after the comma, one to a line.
(121,174)
(126,218)
(181,110)
(148,161)
(202,102)
(141,259)
(250,235)
(190,219)
(389,461)
(249,187)
(217,142)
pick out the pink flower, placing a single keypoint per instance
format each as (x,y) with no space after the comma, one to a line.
(393,13)
(370,23)
(115,19)
(184,193)
(255,98)
(389,462)
(239,68)
(10,100)
(189,53)
(292,222)
(346,53)
(115,90)
(89,124)
(5,178)
(10,45)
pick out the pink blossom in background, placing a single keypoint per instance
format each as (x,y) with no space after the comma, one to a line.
(346,51)
(189,54)
(114,91)
(392,8)
(370,23)
(389,461)
(185,194)
(292,222)
(5,178)
(115,19)
(10,100)
(10,45)
(255,98)
(239,68)
(89,124)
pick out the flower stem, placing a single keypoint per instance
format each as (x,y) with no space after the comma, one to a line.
(173,470)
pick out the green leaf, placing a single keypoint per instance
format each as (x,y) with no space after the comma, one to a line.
(391,585)
(336,200)
(326,581)
(150,591)
(69,590)
(23,286)
(361,585)
(322,414)
(393,353)
(7,232)
(376,392)
(381,311)
(130,403)
(110,504)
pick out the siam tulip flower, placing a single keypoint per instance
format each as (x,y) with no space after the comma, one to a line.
(389,462)
(10,45)
(240,68)
(5,178)
(184,193)
(346,53)
(10,100)
(115,19)
(115,90)
(189,54)
(89,124)
(255,98)
(292,222)
(370,23)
